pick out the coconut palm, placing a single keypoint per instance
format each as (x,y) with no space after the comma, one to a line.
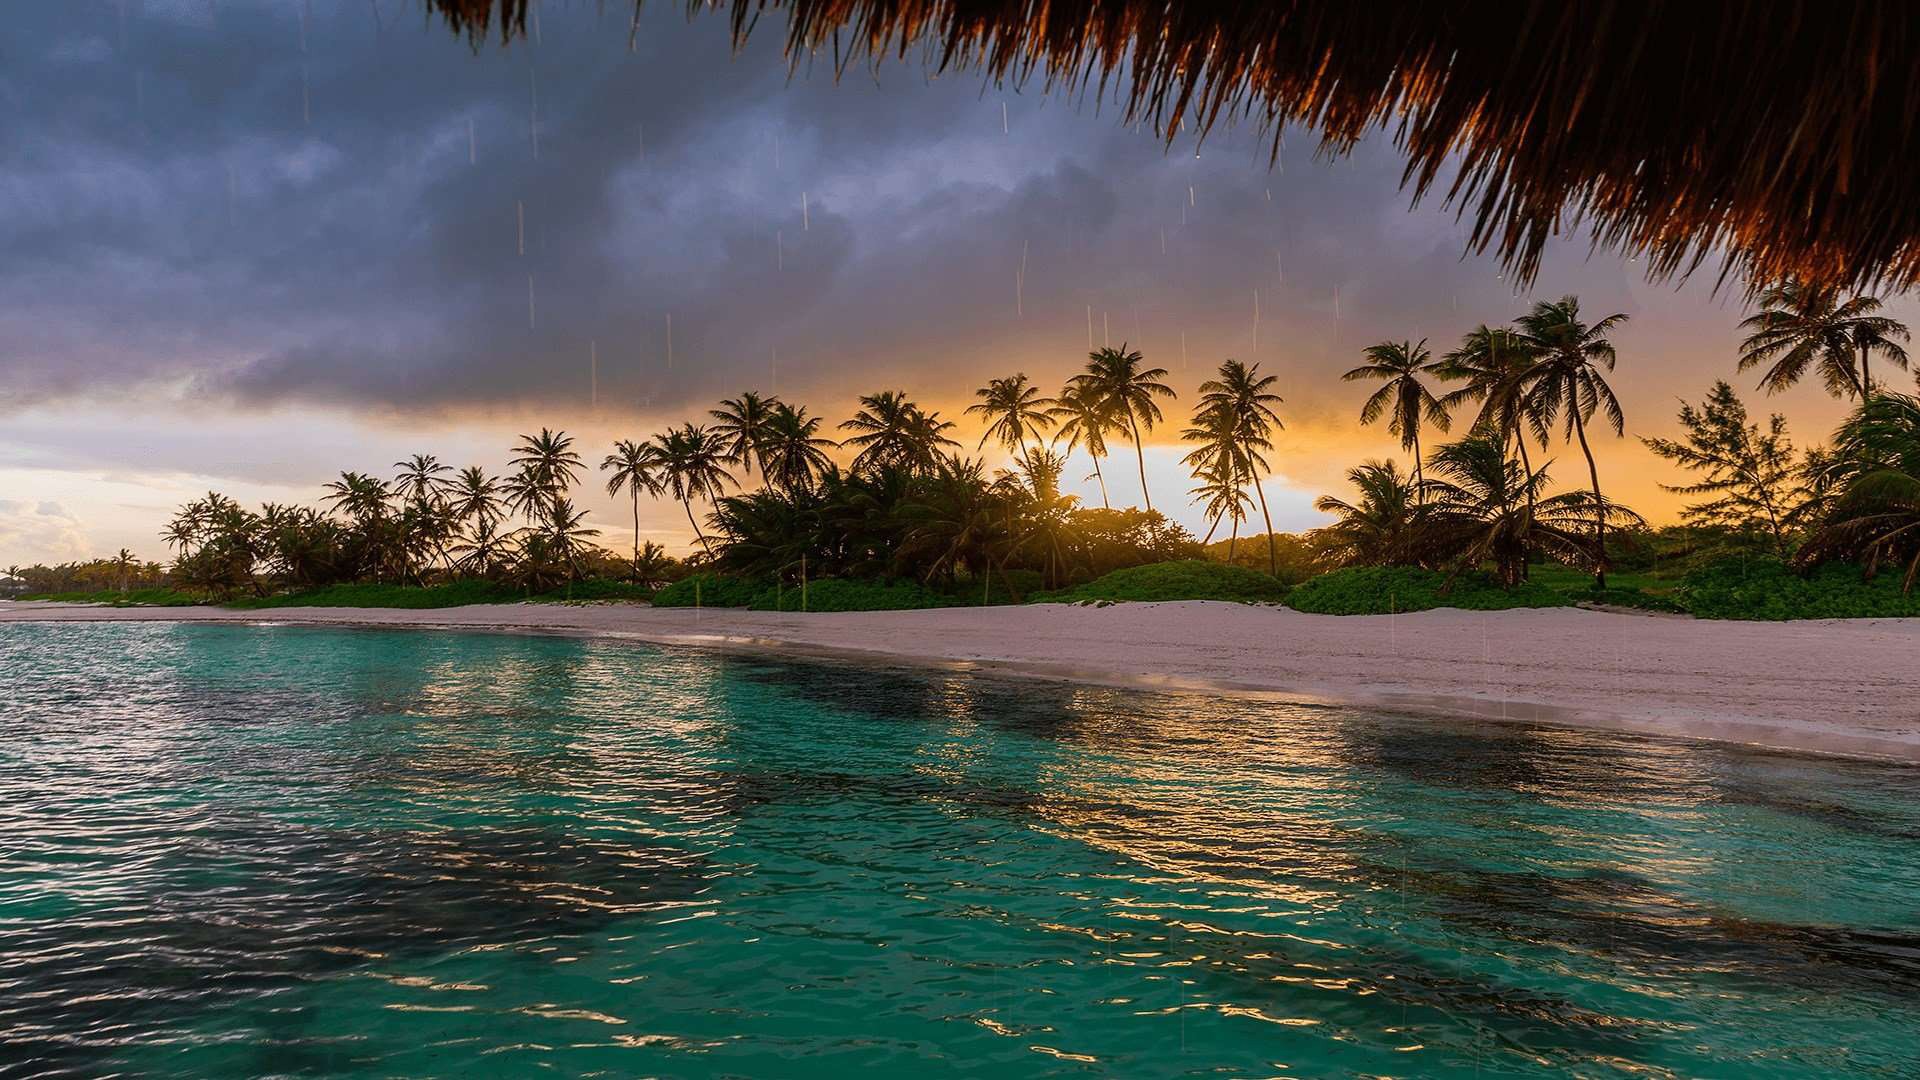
(1799,327)
(1869,508)
(474,497)
(524,492)
(1013,409)
(1569,381)
(1497,367)
(632,465)
(693,465)
(741,426)
(1483,507)
(549,460)
(361,498)
(1402,398)
(794,453)
(1223,464)
(1378,529)
(1116,377)
(892,430)
(1085,421)
(1242,393)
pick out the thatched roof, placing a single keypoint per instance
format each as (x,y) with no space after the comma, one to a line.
(1782,131)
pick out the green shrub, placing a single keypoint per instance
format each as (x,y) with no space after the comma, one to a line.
(1766,589)
(842,594)
(1189,579)
(598,589)
(1386,590)
(709,590)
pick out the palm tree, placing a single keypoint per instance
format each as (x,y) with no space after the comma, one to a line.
(1485,507)
(360,497)
(632,464)
(1084,419)
(567,532)
(794,454)
(1800,326)
(419,482)
(1378,529)
(693,465)
(1116,378)
(1570,378)
(892,430)
(742,428)
(1013,409)
(524,493)
(1242,393)
(1403,399)
(1869,507)
(1498,368)
(549,460)
(475,497)
(1223,463)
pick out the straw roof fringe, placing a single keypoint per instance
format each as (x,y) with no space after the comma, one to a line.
(1781,133)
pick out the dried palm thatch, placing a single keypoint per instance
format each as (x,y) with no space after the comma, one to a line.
(1782,133)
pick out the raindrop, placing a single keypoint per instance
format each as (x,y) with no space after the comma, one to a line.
(520,220)
(779,251)
(529,301)
(805,220)
(472,154)
(1106,338)
(1089,327)
(1004,130)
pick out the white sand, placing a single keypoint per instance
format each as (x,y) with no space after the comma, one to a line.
(1845,687)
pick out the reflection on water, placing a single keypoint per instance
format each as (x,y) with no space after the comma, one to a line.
(230,850)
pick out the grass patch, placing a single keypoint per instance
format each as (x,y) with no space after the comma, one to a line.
(1763,589)
(1387,590)
(159,596)
(1191,579)
(709,590)
(841,594)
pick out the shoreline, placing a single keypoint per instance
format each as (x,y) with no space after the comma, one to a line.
(1836,687)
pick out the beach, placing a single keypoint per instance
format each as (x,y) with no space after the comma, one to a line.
(1834,687)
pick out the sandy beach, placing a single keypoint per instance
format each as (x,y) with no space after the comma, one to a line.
(1840,687)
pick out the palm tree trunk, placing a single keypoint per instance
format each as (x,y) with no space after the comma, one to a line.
(1104,504)
(635,492)
(702,537)
(1419,470)
(1233,541)
(1211,529)
(1866,381)
(1140,452)
(1526,464)
(1599,507)
(1273,549)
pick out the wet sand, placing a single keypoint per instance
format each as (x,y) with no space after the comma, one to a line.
(1831,686)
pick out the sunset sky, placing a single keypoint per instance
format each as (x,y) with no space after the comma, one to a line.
(249,245)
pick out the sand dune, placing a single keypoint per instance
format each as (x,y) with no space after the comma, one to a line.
(1847,687)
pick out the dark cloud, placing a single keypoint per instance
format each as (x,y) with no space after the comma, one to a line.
(242,202)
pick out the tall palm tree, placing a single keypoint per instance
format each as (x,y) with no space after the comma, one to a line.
(567,532)
(741,426)
(475,497)
(1868,508)
(1223,464)
(632,464)
(1403,399)
(1084,420)
(693,465)
(1497,367)
(1242,393)
(1117,377)
(420,483)
(1800,327)
(549,461)
(1012,408)
(794,453)
(1570,381)
(893,431)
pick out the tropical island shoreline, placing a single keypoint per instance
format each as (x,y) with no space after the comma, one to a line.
(1840,687)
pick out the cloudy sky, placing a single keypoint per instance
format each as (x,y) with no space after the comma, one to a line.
(250,244)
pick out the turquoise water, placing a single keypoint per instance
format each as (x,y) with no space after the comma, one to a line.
(294,851)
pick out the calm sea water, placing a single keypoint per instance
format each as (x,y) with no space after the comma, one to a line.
(244,851)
